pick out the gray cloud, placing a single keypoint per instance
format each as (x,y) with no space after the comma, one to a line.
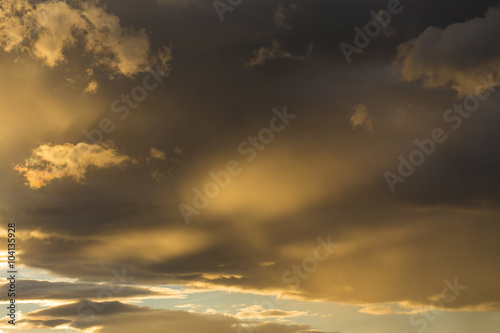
(455,55)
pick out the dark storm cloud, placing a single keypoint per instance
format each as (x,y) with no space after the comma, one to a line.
(318,178)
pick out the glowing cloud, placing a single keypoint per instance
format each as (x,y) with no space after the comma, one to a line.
(48,162)
(47,29)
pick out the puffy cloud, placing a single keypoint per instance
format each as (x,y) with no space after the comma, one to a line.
(454,56)
(272,52)
(49,162)
(54,29)
(361,118)
(46,30)
(123,49)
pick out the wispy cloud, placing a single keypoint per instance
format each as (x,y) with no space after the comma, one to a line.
(157,154)
(274,51)
(361,118)
(376,310)
(257,311)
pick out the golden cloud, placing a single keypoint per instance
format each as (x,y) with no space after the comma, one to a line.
(47,29)
(49,162)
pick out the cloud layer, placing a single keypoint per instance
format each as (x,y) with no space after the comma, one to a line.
(120,317)
(315,178)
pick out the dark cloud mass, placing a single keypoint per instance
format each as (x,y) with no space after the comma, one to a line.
(122,122)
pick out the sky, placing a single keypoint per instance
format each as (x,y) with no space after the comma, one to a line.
(235,166)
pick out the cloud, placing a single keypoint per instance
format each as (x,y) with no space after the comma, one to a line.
(163,58)
(157,154)
(60,291)
(120,317)
(319,188)
(279,18)
(49,162)
(55,26)
(454,56)
(361,118)
(274,49)
(47,29)
(376,310)
(178,150)
(296,190)
(92,87)
(120,48)
(156,174)
(199,257)
(12,26)
(257,311)
(272,52)
(188,306)
(168,243)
